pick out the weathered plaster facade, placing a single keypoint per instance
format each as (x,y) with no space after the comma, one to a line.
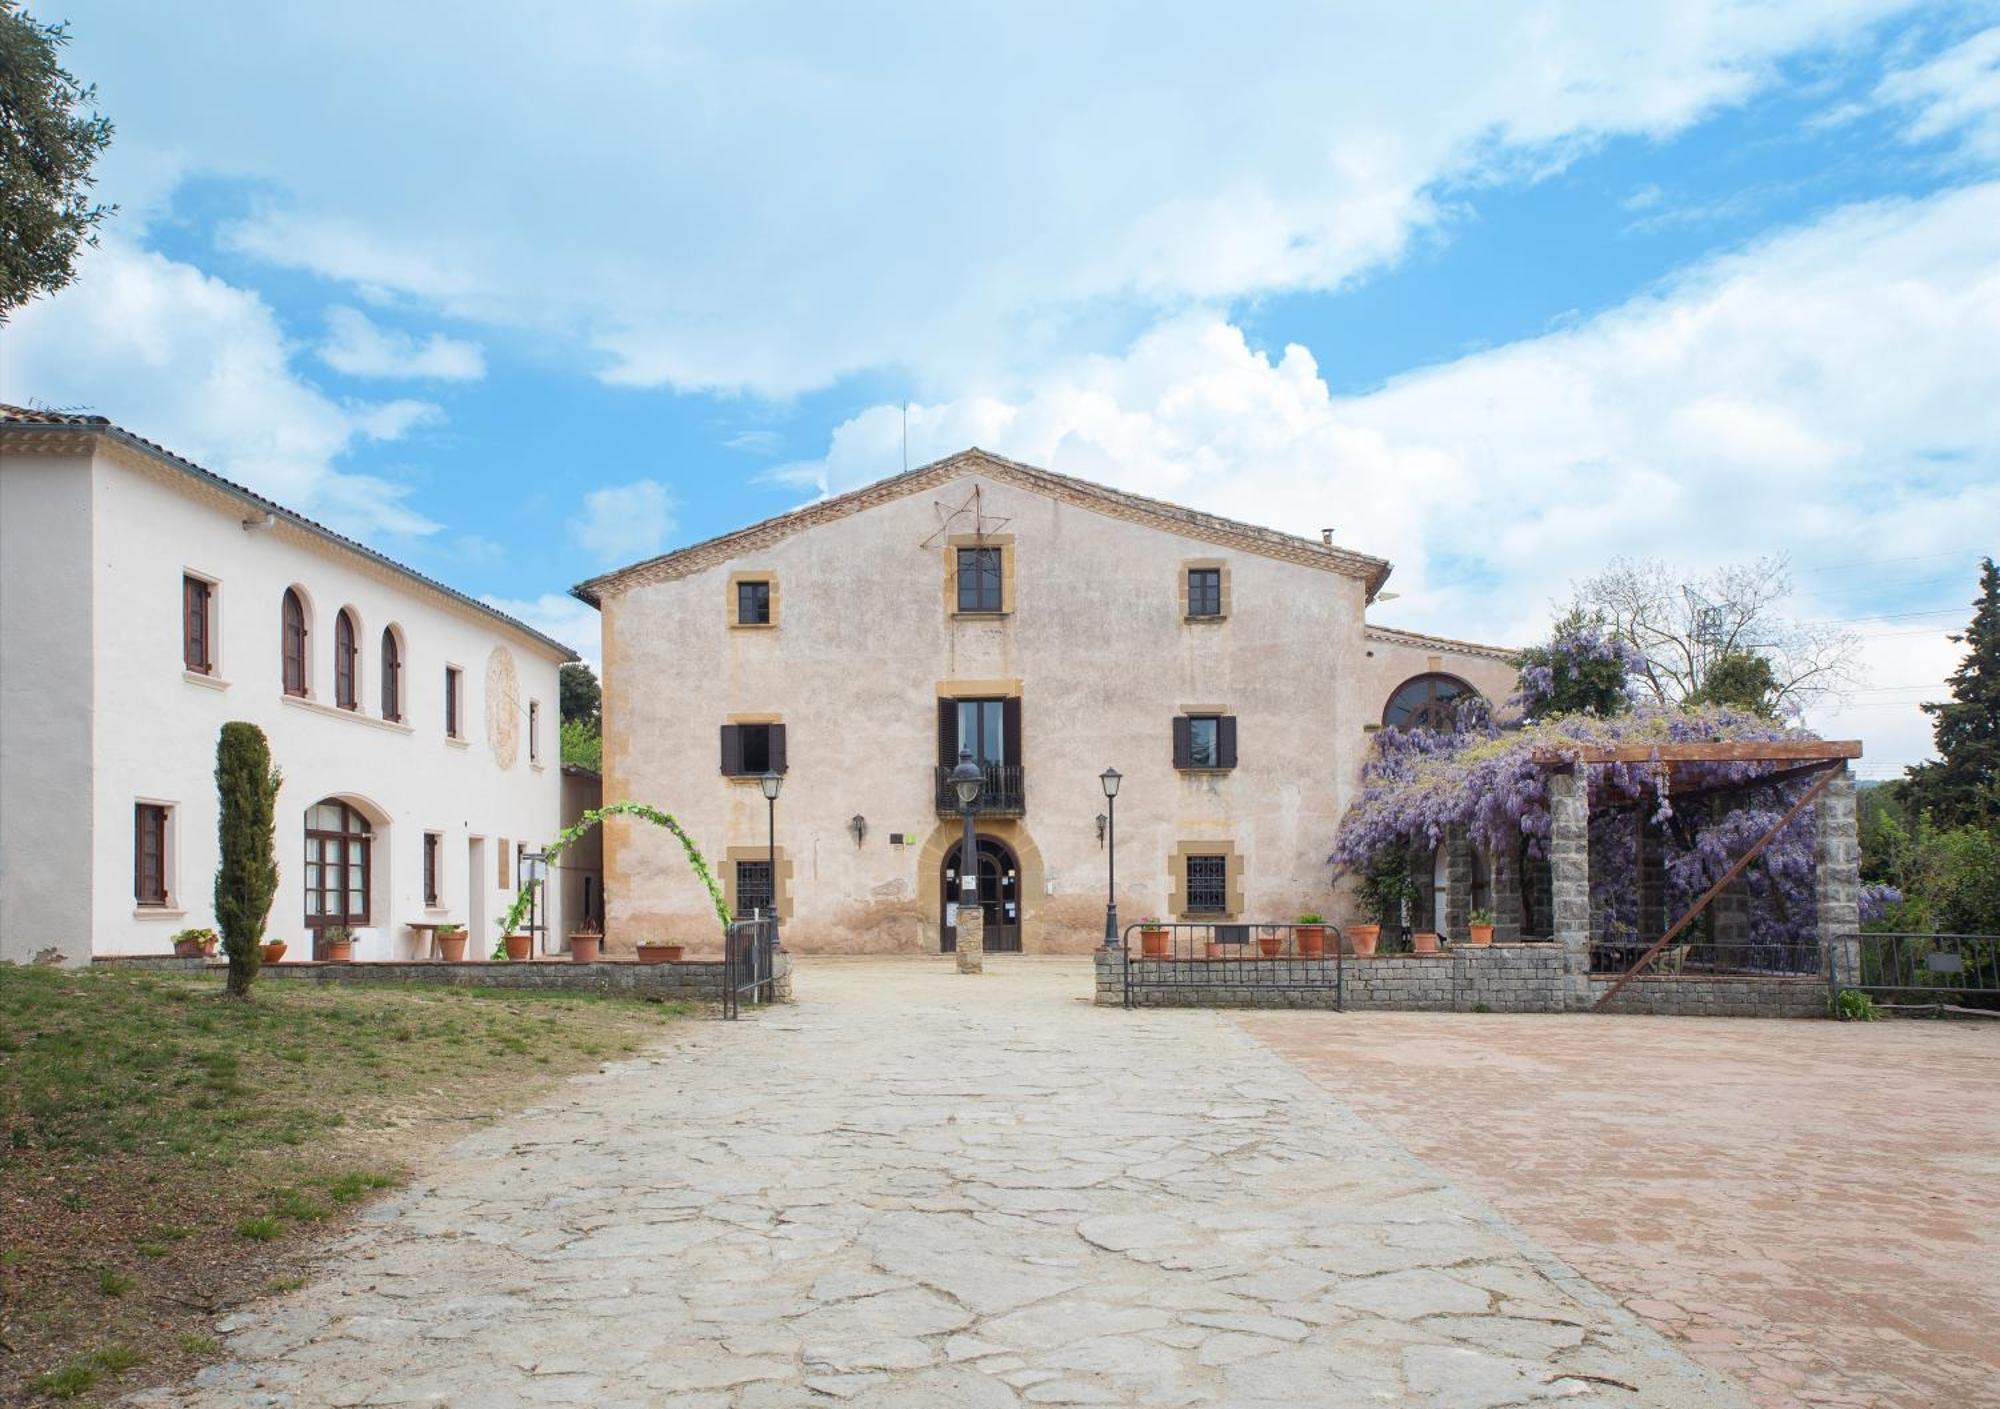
(1094,640)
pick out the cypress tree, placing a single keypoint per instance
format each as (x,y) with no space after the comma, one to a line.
(246,879)
(1963,786)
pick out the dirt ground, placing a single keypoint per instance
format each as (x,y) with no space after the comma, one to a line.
(1811,1207)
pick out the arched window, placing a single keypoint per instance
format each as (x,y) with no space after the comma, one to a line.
(337,865)
(295,643)
(1426,702)
(392,675)
(344,656)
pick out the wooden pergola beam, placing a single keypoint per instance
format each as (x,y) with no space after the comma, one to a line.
(1710,751)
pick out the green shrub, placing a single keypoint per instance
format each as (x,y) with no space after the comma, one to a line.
(1851,1005)
(246,879)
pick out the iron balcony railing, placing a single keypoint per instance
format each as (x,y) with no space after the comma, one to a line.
(1004,794)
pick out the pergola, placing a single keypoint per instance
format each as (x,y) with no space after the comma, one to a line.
(1837,846)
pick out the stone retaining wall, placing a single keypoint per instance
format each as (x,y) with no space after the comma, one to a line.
(1502,978)
(699,980)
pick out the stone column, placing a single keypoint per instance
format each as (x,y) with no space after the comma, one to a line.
(1569,860)
(971,939)
(1457,885)
(1838,858)
(1506,897)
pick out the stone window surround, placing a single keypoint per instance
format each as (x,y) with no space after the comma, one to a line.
(1177,878)
(751,778)
(767,576)
(170,856)
(1005,543)
(781,876)
(213,675)
(1220,565)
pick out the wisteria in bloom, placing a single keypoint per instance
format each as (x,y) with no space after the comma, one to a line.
(1583,666)
(1877,901)
(1418,783)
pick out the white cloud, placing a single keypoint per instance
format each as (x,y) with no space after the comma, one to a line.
(732,197)
(623,523)
(358,346)
(202,367)
(1831,393)
(559,616)
(1955,95)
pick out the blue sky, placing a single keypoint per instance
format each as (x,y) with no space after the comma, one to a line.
(518,295)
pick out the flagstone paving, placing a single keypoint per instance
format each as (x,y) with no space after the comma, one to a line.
(917,1188)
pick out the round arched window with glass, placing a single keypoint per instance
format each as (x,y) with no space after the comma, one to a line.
(1426,702)
(338,872)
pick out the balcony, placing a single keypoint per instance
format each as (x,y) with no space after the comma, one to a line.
(1005,793)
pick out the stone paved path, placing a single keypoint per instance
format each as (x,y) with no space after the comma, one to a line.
(926,1190)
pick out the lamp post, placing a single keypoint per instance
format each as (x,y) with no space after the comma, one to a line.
(533,870)
(1111,778)
(966,781)
(770,782)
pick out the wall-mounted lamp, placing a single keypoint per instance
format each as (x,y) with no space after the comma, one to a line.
(858,828)
(267,519)
(1102,823)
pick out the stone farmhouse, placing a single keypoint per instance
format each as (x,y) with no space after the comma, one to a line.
(1053,628)
(147,602)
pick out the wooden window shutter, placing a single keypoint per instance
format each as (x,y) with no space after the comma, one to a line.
(777,748)
(1225,741)
(1183,742)
(1010,726)
(732,749)
(947,733)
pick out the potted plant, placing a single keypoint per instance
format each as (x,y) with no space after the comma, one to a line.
(584,943)
(1152,938)
(1269,941)
(660,951)
(336,944)
(1481,927)
(195,943)
(275,950)
(451,941)
(1309,939)
(1424,942)
(518,946)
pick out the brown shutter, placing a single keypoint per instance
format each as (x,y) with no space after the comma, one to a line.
(732,749)
(1225,741)
(777,748)
(1010,727)
(1183,743)
(947,733)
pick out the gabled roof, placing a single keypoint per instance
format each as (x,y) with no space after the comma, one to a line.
(1392,636)
(27,428)
(1117,503)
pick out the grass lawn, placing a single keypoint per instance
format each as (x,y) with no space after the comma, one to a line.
(167,1152)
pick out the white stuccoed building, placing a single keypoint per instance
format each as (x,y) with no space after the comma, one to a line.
(145,602)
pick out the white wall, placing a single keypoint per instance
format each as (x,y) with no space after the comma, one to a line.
(45,711)
(156,725)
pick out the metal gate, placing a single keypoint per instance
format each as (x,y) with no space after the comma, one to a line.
(749,953)
(1932,969)
(1226,960)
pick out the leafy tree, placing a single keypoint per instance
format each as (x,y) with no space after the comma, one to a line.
(1684,627)
(583,745)
(582,700)
(1581,669)
(246,787)
(48,144)
(1963,786)
(1740,680)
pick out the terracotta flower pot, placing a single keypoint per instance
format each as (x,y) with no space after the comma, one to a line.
(520,946)
(187,949)
(583,948)
(1424,942)
(1212,949)
(1310,941)
(337,951)
(1269,945)
(1481,934)
(1153,943)
(451,947)
(208,948)
(661,953)
(1364,939)
(275,951)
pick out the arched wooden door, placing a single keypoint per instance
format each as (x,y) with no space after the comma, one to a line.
(999,897)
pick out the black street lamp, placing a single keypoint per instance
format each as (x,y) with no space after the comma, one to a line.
(966,780)
(1111,778)
(770,782)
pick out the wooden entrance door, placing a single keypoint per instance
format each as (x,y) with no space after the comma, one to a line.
(999,897)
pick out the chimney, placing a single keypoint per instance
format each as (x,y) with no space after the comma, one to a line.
(1326,536)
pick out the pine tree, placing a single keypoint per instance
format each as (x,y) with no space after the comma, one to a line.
(246,879)
(1963,786)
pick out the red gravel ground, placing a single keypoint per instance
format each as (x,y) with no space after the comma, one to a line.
(1812,1207)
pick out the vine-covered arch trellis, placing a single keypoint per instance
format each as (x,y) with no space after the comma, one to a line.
(596,815)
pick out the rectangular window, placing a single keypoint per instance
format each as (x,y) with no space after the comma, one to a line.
(754,891)
(982,727)
(534,731)
(452,676)
(149,853)
(753,604)
(197,624)
(752,749)
(1205,742)
(1208,885)
(1204,592)
(979,580)
(432,843)
(1202,753)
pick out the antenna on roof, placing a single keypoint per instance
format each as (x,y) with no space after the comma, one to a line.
(906,435)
